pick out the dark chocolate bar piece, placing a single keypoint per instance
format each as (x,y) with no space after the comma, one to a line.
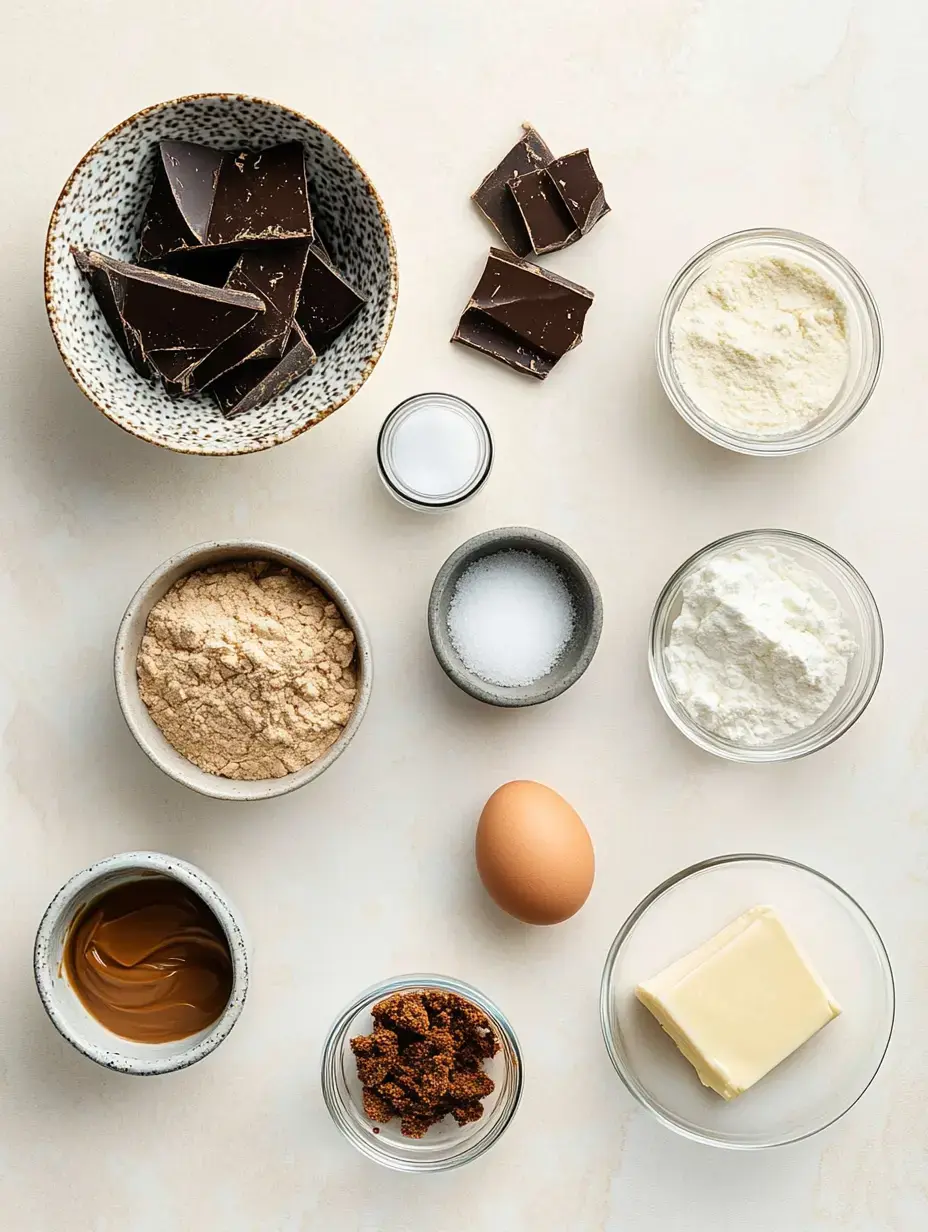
(178,210)
(523,315)
(275,272)
(253,384)
(165,312)
(547,222)
(261,196)
(110,293)
(580,189)
(210,265)
(176,369)
(328,302)
(494,197)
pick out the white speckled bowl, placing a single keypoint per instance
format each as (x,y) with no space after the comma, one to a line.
(135,712)
(62,1005)
(101,207)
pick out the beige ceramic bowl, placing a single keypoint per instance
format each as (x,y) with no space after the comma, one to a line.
(140,722)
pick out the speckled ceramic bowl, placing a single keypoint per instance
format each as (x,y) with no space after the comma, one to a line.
(101,207)
(588,611)
(135,712)
(66,1011)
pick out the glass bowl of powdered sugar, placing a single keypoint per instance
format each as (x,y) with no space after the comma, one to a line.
(765,646)
(769,342)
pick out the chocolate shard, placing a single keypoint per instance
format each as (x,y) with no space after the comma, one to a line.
(261,196)
(494,197)
(580,189)
(328,302)
(275,273)
(523,315)
(176,369)
(167,312)
(178,210)
(253,384)
(547,222)
(210,265)
(110,293)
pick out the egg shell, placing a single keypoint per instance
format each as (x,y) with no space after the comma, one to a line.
(534,854)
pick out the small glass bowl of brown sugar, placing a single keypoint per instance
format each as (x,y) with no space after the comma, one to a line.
(443,1071)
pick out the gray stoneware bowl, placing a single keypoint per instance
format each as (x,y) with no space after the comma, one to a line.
(101,207)
(135,712)
(76,1024)
(580,649)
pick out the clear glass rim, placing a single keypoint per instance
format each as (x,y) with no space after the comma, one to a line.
(410,496)
(370,1145)
(804,743)
(813,434)
(605,1000)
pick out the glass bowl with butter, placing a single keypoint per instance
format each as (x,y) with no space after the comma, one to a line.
(748,1002)
(769,342)
(765,646)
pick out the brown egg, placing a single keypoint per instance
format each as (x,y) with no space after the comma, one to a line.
(534,854)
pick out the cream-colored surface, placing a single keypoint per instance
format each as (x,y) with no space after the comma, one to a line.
(704,116)
(740,1003)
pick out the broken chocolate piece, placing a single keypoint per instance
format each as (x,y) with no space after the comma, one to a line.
(110,293)
(523,315)
(253,384)
(580,189)
(210,265)
(176,368)
(548,224)
(178,210)
(261,196)
(327,301)
(494,196)
(167,312)
(275,272)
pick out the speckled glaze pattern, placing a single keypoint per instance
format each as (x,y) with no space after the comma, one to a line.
(101,207)
(122,1055)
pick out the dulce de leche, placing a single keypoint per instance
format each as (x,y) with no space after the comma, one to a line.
(150,961)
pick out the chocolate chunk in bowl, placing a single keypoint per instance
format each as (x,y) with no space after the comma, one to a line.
(101,208)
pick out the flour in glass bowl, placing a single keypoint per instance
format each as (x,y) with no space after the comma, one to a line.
(760,649)
(760,345)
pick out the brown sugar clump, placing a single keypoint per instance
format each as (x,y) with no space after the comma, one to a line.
(424,1060)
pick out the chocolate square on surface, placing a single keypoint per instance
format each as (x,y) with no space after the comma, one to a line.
(494,197)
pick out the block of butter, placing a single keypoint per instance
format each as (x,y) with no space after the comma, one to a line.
(741,1003)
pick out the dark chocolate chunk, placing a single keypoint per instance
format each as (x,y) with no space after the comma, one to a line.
(495,198)
(580,189)
(275,272)
(327,301)
(176,369)
(548,224)
(166,312)
(523,315)
(261,196)
(178,210)
(110,294)
(253,384)
(210,265)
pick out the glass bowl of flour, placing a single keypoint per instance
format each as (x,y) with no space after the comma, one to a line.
(769,342)
(765,646)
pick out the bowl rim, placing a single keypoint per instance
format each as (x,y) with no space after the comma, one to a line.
(605,1000)
(727,438)
(467,681)
(202,555)
(372,1147)
(369,364)
(216,900)
(762,754)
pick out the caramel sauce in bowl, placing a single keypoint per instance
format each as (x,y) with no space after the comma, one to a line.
(141,963)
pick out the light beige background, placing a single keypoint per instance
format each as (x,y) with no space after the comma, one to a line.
(704,116)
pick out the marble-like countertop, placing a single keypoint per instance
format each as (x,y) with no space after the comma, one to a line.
(704,116)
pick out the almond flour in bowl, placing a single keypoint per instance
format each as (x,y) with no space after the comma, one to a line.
(248,669)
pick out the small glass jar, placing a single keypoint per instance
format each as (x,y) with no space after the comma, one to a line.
(446,1145)
(863,671)
(434,452)
(864,332)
